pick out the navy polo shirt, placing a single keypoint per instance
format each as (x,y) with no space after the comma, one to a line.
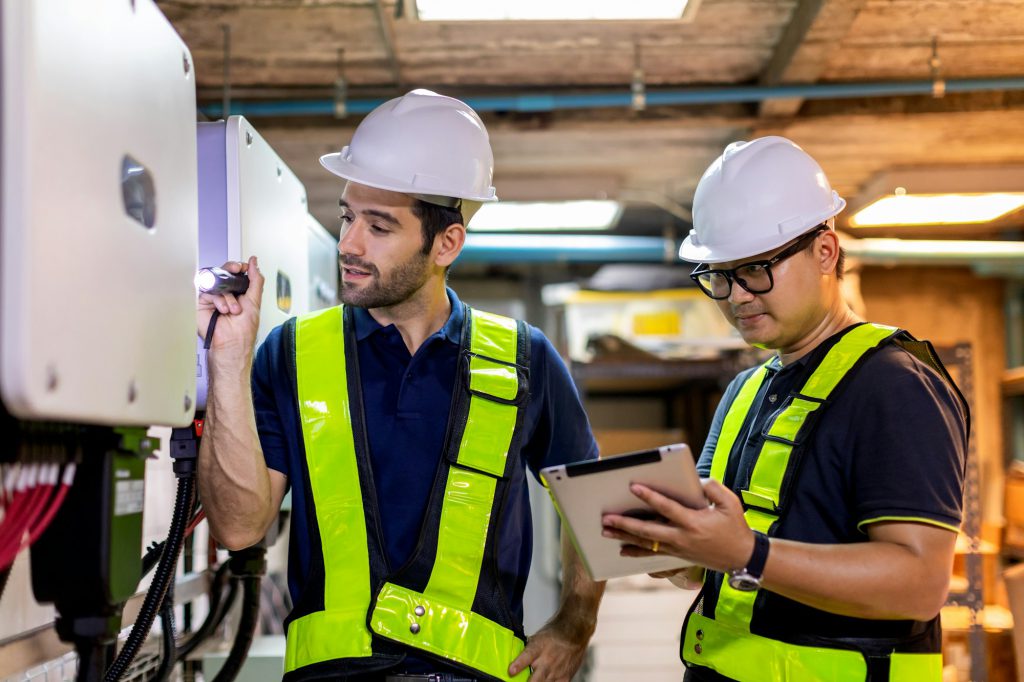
(406,401)
(891,446)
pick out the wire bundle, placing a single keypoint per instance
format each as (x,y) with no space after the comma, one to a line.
(183,505)
(30,496)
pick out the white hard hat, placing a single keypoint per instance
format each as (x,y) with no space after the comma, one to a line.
(755,197)
(424,144)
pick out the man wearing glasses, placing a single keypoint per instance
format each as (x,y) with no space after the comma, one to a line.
(835,470)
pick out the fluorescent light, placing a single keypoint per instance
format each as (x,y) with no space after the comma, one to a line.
(943,251)
(512,216)
(937,209)
(547,10)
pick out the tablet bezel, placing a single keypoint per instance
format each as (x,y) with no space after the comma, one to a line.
(584,491)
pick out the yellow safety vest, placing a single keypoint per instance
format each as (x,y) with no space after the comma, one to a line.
(724,642)
(429,604)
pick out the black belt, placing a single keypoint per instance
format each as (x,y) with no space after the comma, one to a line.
(427,677)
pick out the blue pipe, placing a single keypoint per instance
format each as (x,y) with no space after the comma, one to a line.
(1007,256)
(577,248)
(550,102)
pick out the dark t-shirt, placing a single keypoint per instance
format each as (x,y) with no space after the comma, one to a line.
(406,400)
(891,447)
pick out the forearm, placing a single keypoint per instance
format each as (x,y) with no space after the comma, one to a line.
(234,483)
(877,580)
(900,573)
(580,597)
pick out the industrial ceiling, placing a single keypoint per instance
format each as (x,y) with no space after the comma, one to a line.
(961,63)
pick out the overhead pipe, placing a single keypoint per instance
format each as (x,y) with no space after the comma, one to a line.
(989,256)
(574,248)
(546,248)
(541,102)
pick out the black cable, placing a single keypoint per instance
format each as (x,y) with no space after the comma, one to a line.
(218,608)
(4,575)
(187,567)
(227,603)
(93,656)
(210,328)
(152,554)
(167,650)
(246,631)
(164,575)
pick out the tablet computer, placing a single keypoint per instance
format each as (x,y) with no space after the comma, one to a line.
(584,491)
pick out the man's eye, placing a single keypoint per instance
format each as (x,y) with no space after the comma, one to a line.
(378,229)
(750,270)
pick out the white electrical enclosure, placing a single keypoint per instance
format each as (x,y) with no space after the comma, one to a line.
(323,266)
(251,204)
(99,214)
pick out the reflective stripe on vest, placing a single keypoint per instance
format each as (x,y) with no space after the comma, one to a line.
(740,655)
(440,620)
(339,631)
(729,632)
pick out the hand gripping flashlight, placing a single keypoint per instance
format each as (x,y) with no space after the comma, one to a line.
(220,281)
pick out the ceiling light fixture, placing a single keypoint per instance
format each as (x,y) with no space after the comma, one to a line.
(548,10)
(940,196)
(937,209)
(513,216)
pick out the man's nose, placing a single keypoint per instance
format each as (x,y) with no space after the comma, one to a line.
(351,241)
(737,294)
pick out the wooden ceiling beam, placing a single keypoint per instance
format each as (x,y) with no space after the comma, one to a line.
(387,36)
(801,55)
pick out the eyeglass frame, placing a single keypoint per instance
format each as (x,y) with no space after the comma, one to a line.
(732,278)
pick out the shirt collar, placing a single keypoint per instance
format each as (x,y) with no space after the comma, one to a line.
(816,352)
(452,329)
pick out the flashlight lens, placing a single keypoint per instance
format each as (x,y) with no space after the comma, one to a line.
(205,280)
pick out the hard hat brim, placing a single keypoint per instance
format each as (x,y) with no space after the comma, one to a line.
(700,253)
(349,171)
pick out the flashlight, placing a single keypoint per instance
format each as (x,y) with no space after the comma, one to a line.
(220,281)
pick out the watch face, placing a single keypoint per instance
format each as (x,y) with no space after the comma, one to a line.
(744,582)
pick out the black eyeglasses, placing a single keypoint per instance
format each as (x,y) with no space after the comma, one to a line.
(755,277)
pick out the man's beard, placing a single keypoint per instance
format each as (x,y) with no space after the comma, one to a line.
(398,287)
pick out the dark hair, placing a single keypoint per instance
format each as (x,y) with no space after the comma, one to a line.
(435,220)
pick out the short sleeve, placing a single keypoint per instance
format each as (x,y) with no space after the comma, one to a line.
(708,452)
(269,382)
(561,432)
(909,444)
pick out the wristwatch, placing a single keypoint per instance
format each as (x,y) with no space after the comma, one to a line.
(748,579)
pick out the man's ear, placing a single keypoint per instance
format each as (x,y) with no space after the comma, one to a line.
(448,245)
(828,252)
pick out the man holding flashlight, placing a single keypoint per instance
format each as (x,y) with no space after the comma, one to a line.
(404,423)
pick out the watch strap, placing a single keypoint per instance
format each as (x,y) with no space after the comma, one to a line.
(755,567)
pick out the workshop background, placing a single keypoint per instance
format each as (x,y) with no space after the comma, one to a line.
(601,127)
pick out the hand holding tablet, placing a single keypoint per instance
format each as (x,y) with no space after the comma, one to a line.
(585,491)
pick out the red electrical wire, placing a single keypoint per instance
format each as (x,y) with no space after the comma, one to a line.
(19,494)
(23,502)
(200,515)
(10,524)
(22,499)
(67,479)
(34,506)
(32,510)
(45,487)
